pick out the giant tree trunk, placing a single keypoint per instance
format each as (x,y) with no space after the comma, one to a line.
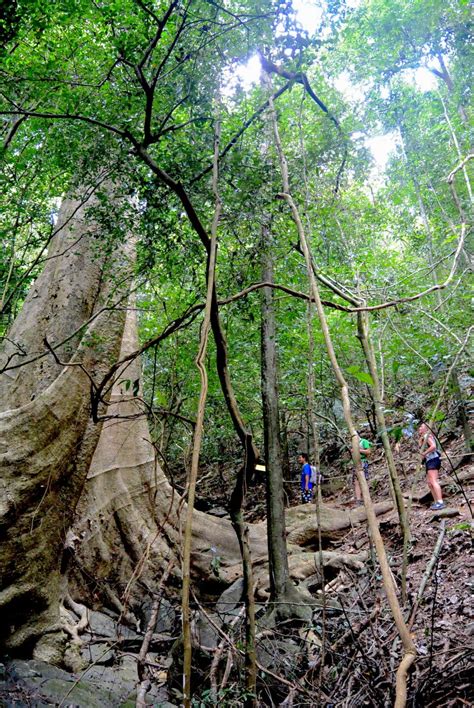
(129,519)
(46,436)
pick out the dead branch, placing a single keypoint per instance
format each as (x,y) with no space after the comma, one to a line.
(217,657)
(144,686)
(429,569)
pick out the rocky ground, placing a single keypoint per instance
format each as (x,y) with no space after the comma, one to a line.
(349,623)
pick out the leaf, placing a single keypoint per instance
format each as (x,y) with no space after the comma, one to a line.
(360,375)
(397,432)
(450,238)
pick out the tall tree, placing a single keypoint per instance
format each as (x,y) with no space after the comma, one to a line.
(282,590)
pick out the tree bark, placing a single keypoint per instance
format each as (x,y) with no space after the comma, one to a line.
(47,439)
(277,551)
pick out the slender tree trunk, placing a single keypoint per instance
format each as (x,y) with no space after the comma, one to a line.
(461,412)
(457,146)
(409,647)
(285,450)
(314,428)
(363,334)
(236,507)
(318,494)
(446,77)
(240,427)
(277,552)
(200,363)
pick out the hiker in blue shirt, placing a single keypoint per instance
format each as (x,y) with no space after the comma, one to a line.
(306,484)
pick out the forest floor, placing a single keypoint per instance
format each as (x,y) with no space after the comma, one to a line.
(351,624)
(438,606)
(442,619)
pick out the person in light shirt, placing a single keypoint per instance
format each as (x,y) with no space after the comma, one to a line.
(432,461)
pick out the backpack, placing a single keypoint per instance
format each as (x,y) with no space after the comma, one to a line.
(315,475)
(435,454)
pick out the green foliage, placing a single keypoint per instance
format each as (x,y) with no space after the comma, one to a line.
(230,697)
(464,526)
(381,237)
(360,375)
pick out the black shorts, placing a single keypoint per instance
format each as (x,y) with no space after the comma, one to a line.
(434,464)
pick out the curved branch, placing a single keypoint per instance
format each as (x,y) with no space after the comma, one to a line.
(125,134)
(301,78)
(13,130)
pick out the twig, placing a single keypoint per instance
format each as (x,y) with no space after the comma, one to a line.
(426,575)
(217,656)
(68,363)
(432,562)
(141,661)
(442,325)
(433,609)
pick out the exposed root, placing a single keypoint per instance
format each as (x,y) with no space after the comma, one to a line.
(72,658)
(82,612)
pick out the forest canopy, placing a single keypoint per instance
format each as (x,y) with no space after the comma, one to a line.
(91,90)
